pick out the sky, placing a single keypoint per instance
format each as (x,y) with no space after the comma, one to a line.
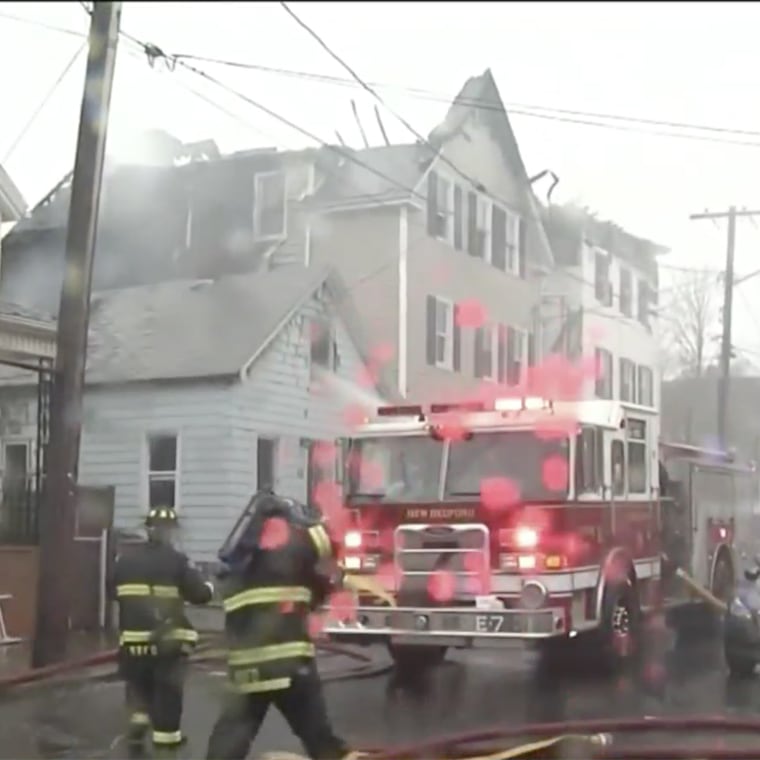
(555,63)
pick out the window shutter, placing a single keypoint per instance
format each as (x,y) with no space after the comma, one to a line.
(458,220)
(499,238)
(531,349)
(512,378)
(430,330)
(472,224)
(478,354)
(502,354)
(456,349)
(432,204)
(522,248)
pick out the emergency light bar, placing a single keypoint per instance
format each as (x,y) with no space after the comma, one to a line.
(527,403)
(400,411)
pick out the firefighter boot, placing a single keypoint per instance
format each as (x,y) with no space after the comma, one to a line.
(137,733)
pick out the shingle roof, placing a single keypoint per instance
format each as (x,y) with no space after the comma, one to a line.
(191,328)
(8,309)
(378,174)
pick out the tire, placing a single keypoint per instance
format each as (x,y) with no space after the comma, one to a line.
(723,580)
(621,627)
(411,657)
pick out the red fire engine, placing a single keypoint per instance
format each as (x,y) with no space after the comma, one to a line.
(530,520)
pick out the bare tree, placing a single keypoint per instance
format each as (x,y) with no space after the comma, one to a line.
(688,322)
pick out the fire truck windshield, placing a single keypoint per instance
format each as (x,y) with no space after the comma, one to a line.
(518,456)
(399,468)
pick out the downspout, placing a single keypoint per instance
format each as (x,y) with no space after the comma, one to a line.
(403,300)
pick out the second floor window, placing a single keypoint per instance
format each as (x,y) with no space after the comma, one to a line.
(602,284)
(486,352)
(627,380)
(443,334)
(479,238)
(269,206)
(626,292)
(440,203)
(644,303)
(645,395)
(604,378)
(163,468)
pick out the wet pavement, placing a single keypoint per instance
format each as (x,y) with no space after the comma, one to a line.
(472,690)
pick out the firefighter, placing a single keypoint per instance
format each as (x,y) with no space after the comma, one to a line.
(280,563)
(151,584)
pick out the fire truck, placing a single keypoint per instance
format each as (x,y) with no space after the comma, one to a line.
(526,519)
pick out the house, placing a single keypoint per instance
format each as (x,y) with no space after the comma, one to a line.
(440,243)
(601,301)
(12,205)
(200,391)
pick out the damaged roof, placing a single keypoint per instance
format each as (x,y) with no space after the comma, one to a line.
(12,203)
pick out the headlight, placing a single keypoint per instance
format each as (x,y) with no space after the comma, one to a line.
(739,609)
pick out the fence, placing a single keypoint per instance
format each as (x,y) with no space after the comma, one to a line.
(20,513)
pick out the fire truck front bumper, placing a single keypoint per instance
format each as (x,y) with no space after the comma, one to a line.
(454,626)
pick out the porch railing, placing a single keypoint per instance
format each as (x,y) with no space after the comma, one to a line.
(20,512)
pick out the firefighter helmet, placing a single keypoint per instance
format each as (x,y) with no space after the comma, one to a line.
(161,517)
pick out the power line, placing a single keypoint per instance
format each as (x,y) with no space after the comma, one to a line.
(42,25)
(43,103)
(566,115)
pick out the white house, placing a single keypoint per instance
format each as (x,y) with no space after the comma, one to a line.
(601,301)
(199,392)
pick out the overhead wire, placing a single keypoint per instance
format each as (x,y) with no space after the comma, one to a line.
(41,24)
(45,100)
(522,109)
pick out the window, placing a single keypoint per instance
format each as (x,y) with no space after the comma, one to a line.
(637,456)
(480,227)
(266,455)
(627,380)
(163,470)
(516,348)
(440,201)
(588,461)
(443,334)
(602,287)
(15,471)
(644,303)
(322,346)
(513,243)
(617,461)
(487,352)
(626,292)
(269,207)
(604,378)
(645,395)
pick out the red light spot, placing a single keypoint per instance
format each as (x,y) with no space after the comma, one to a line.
(554,473)
(316,625)
(499,493)
(287,607)
(479,581)
(382,353)
(274,534)
(555,429)
(324,454)
(441,586)
(366,377)
(654,673)
(388,576)
(385,541)
(470,313)
(354,415)
(343,605)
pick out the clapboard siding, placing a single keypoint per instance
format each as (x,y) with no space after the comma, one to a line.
(218,424)
(280,399)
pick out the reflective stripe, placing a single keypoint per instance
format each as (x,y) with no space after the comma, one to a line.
(139,719)
(143,589)
(145,637)
(240,657)
(167,737)
(273,684)
(321,541)
(268,595)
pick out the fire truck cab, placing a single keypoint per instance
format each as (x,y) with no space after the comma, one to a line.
(520,519)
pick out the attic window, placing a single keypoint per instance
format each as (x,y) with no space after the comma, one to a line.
(269,207)
(322,351)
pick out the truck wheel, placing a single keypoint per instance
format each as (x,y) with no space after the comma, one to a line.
(723,580)
(621,626)
(410,657)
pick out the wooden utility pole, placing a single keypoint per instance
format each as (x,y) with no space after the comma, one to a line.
(58,516)
(724,378)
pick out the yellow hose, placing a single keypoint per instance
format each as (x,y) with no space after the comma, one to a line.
(370,585)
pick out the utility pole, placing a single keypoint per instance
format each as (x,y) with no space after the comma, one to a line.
(724,378)
(58,517)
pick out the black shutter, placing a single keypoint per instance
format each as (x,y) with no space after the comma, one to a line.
(432,204)
(458,220)
(522,248)
(512,379)
(502,355)
(456,352)
(479,359)
(430,330)
(499,238)
(472,224)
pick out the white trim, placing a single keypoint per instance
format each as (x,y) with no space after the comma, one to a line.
(448,355)
(493,330)
(403,300)
(145,474)
(364,206)
(258,179)
(512,218)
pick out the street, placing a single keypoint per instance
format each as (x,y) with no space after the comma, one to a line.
(475,690)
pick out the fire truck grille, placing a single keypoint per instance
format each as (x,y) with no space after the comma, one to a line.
(422,550)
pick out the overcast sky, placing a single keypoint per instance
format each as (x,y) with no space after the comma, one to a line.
(685,63)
